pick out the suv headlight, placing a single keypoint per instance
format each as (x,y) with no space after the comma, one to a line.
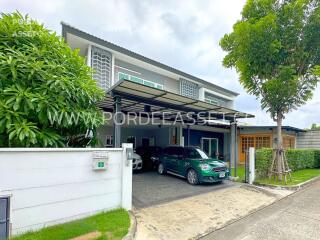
(204,166)
(154,158)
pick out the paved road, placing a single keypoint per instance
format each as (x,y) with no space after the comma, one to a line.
(294,217)
(150,188)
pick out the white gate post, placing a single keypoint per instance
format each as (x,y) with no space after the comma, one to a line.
(251,165)
(126,188)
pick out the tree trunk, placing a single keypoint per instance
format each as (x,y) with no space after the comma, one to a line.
(279,146)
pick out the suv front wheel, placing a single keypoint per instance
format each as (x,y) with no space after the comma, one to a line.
(192,177)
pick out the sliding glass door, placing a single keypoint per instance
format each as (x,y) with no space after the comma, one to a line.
(210,146)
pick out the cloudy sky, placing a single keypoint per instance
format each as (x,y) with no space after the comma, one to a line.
(184,34)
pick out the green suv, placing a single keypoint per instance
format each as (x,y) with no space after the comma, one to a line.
(192,163)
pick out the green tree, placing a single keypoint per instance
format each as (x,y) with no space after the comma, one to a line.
(314,127)
(275,50)
(47,94)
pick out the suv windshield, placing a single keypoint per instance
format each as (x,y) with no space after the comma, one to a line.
(202,154)
(195,153)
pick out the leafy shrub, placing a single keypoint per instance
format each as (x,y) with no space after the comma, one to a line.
(297,159)
(317,157)
(47,94)
(263,161)
(300,158)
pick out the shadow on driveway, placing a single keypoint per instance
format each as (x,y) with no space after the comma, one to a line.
(150,188)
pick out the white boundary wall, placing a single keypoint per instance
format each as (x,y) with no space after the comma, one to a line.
(50,186)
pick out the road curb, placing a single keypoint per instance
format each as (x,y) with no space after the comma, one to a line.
(133,227)
(259,189)
(293,187)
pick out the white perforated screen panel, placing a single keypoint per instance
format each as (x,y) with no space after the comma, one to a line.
(189,89)
(101,64)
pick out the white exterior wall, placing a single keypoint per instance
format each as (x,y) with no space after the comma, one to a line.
(50,186)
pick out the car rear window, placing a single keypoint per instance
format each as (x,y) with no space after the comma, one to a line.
(173,151)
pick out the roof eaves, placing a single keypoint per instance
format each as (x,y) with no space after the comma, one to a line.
(283,127)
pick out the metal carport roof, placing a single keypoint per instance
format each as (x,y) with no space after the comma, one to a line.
(137,98)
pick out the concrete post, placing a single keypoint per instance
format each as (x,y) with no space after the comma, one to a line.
(233,147)
(116,121)
(126,186)
(251,165)
(181,138)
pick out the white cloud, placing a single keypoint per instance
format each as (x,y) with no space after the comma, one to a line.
(183,34)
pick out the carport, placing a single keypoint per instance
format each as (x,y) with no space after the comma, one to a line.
(130,98)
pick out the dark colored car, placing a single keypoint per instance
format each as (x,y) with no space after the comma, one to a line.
(192,163)
(150,156)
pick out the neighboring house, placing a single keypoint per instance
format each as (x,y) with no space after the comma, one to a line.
(308,139)
(265,137)
(142,84)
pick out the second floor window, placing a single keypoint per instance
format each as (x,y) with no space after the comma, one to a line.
(125,76)
(214,100)
(211,100)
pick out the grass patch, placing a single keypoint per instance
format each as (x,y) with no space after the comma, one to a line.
(298,177)
(240,172)
(113,225)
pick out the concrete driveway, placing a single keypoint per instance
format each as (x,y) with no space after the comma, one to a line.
(192,217)
(294,217)
(150,188)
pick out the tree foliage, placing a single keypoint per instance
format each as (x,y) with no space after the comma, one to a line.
(314,126)
(275,47)
(47,94)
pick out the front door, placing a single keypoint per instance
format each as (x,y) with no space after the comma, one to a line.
(205,145)
(210,146)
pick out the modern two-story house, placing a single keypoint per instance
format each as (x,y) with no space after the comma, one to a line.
(134,83)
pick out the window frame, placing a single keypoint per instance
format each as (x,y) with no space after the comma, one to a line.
(110,139)
(143,81)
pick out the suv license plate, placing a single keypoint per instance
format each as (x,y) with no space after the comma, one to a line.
(222,174)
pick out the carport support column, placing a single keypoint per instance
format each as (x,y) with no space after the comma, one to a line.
(233,147)
(188,136)
(117,121)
